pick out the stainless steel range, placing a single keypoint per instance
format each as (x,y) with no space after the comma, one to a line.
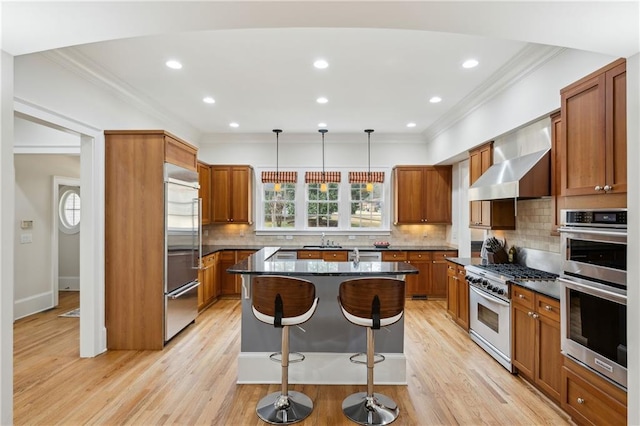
(490,304)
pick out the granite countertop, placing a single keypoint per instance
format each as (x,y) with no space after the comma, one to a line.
(465,261)
(209,249)
(259,264)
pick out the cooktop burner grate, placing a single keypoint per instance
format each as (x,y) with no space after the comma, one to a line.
(517,272)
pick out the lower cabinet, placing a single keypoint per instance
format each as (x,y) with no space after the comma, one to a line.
(589,399)
(535,328)
(416,285)
(457,294)
(226,259)
(431,280)
(437,281)
(207,291)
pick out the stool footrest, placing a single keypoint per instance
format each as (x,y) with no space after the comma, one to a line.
(376,358)
(293,357)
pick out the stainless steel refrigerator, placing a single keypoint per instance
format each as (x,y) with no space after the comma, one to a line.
(183,246)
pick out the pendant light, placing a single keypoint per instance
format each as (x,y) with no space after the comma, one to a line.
(277,186)
(369,183)
(323,184)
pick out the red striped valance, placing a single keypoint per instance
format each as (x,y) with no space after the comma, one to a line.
(364,177)
(282,177)
(316,177)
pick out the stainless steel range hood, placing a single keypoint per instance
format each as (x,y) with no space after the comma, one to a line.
(527,176)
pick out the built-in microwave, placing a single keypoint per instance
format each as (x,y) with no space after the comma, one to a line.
(593,276)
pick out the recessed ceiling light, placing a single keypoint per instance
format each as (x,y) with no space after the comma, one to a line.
(173,64)
(470,63)
(435,99)
(321,64)
(322,124)
(322,100)
(411,124)
(208,100)
(234,124)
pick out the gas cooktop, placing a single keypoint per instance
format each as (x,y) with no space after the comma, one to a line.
(512,271)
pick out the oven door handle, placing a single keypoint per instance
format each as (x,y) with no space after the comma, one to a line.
(489,297)
(594,291)
(591,231)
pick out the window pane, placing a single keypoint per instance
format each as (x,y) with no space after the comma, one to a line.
(279,207)
(322,207)
(366,207)
(71,209)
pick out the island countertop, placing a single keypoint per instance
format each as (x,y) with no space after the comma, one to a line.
(260,264)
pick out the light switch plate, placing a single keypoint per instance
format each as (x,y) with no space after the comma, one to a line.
(26,238)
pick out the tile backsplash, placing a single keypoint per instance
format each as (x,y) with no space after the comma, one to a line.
(534,223)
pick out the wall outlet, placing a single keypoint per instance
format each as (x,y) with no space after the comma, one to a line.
(205,232)
(26,238)
(280,237)
(425,235)
(289,237)
(352,237)
(242,233)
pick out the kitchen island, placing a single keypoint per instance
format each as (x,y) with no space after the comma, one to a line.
(327,340)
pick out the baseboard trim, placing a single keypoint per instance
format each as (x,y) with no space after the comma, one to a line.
(321,369)
(32,305)
(69,283)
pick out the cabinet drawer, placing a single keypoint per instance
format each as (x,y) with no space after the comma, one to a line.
(394,256)
(548,307)
(227,256)
(442,255)
(309,254)
(417,256)
(522,297)
(335,256)
(452,269)
(589,405)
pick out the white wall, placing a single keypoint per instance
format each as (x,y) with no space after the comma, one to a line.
(33,201)
(30,137)
(534,96)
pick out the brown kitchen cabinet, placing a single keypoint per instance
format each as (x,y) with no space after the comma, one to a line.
(496,214)
(457,294)
(335,256)
(231,188)
(422,194)
(437,285)
(593,139)
(204,178)
(226,259)
(309,254)
(207,277)
(135,234)
(417,285)
(535,327)
(589,399)
(431,280)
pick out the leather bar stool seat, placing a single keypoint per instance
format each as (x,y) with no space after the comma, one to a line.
(283,302)
(372,303)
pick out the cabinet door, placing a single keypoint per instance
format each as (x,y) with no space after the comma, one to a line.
(452,290)
(583,137)
(240,195)
(201,288)
(463,299)
(437,286)
(227,281)
(437,200)
(548,365)
(418,285)
(221,195)
(523,329)
(409,192)
(204,177)
(616,128)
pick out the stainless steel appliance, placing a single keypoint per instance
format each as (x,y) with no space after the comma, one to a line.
(594,295)
(183,247)
(490,305)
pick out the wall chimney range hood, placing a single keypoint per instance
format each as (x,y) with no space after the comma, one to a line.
(527,176)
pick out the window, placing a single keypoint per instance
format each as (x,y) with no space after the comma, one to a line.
(69,211)
(301,207)
(279,207)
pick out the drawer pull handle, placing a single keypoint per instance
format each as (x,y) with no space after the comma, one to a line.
(580,400)
(548,308)
(521,296)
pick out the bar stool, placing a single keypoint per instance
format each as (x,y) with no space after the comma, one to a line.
(372,303)
(282,302)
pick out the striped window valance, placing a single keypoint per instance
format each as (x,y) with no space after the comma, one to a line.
(282,177)
(316,177)
(364,177)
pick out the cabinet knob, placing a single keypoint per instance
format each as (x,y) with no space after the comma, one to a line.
(334,255)
(607,188)
(535,316)
(530,313)
(580,400)
(598,188)
(521,296)
(548,308)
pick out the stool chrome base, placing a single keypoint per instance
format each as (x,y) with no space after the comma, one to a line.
(279,409)
(366,410)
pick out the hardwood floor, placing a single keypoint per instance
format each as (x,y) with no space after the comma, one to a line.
(192,381)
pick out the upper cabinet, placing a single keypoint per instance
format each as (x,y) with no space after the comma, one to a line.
(204,177)
(498,214)
(593,138)
(422,194)
(231,188)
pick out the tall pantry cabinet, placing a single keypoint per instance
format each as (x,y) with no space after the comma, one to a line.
(134,233)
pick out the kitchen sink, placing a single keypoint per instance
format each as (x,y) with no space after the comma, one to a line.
(321,247)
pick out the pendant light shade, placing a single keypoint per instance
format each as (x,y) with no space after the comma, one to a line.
(323,184)
(277,185)
(369,182)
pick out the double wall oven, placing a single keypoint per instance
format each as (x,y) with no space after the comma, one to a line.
(594,290)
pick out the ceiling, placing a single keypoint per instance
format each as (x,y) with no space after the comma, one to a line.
(256,58)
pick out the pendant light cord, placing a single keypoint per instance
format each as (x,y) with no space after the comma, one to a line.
(368,132)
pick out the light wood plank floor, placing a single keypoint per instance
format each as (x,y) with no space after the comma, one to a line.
(192,381)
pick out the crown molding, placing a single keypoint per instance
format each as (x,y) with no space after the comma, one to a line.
(527,60)
(74,61)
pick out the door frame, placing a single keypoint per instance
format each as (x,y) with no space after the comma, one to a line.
(58,181)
